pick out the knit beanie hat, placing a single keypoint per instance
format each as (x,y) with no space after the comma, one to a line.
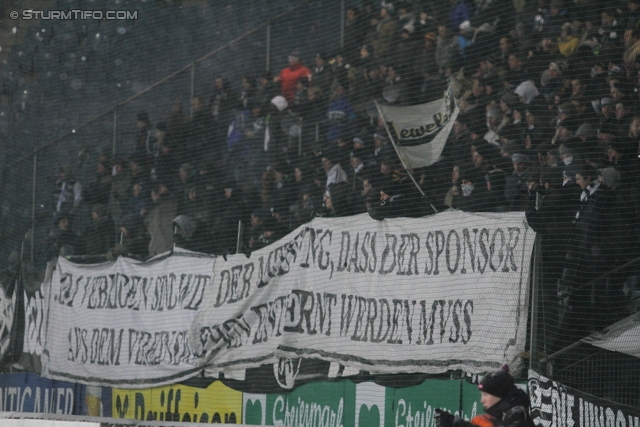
(495,112)
(499,383)
(279,102)
(511,99)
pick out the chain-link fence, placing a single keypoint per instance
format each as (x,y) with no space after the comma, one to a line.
(251,119)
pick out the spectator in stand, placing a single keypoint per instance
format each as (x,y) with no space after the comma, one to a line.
(631,50)
(368,195)
(302,184)
(517,72)
(61,239)
(588,253)
(396,200)
(137,173)
(341,70)
(137,203)
(568,42)
(447,50)
(253,233)
(484,156)
(426,67)
(176,126)
(551,80)
(382,149)
(268,89)
(246,137)
(166,165)
(358,170)
(133,239)
(120,184)
(336,201)
(273,144)
(322,74)
(385,31)
(607,109)
(301,96)
(281,191)
(363,64)
(98,191)
(270,232)
(465,38)
(495,123)
(200,131)
(622,155)
(191,234)
(406,52)
(425,24)
(480,193)
(100,235)
(459,143)
(406,18)
(196,206)
(182,184)
(607,134)
(354,33)
(223,104)
(623,118)
(158,221)
(145,139)
(340,114)
(517,185)
(632,17)
(289,76)
(527,92)
(459,13)
(232,209)
(67,192)
(249,94)
(334,171)
(610,34)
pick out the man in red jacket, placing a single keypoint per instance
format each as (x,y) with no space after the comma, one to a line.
(290,75)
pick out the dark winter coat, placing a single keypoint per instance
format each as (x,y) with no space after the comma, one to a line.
(100,236)
(511,411)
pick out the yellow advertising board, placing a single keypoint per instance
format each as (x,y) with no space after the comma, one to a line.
(214,404)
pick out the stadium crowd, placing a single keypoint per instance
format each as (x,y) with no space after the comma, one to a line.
(548,124)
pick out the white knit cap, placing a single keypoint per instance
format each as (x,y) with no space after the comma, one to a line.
(279,102)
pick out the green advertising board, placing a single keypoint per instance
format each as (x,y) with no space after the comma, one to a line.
(345,404)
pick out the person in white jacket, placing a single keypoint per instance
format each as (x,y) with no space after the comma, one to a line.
(335,173)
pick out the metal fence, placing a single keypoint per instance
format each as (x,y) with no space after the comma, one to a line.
(27,180)
(25,213)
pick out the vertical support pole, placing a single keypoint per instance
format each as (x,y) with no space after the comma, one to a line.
(342,12)
(268,46)
(115,132)
(34,188)
(193,88)
(317,132)
(535,290)
(300,142)
(239,238)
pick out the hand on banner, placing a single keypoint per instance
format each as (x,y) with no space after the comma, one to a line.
(443,418)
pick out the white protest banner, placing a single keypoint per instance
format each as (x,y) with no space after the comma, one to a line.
(125,323)
(405,295)
(421,131)
(7,310)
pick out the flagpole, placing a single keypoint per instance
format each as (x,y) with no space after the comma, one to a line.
(396,148)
